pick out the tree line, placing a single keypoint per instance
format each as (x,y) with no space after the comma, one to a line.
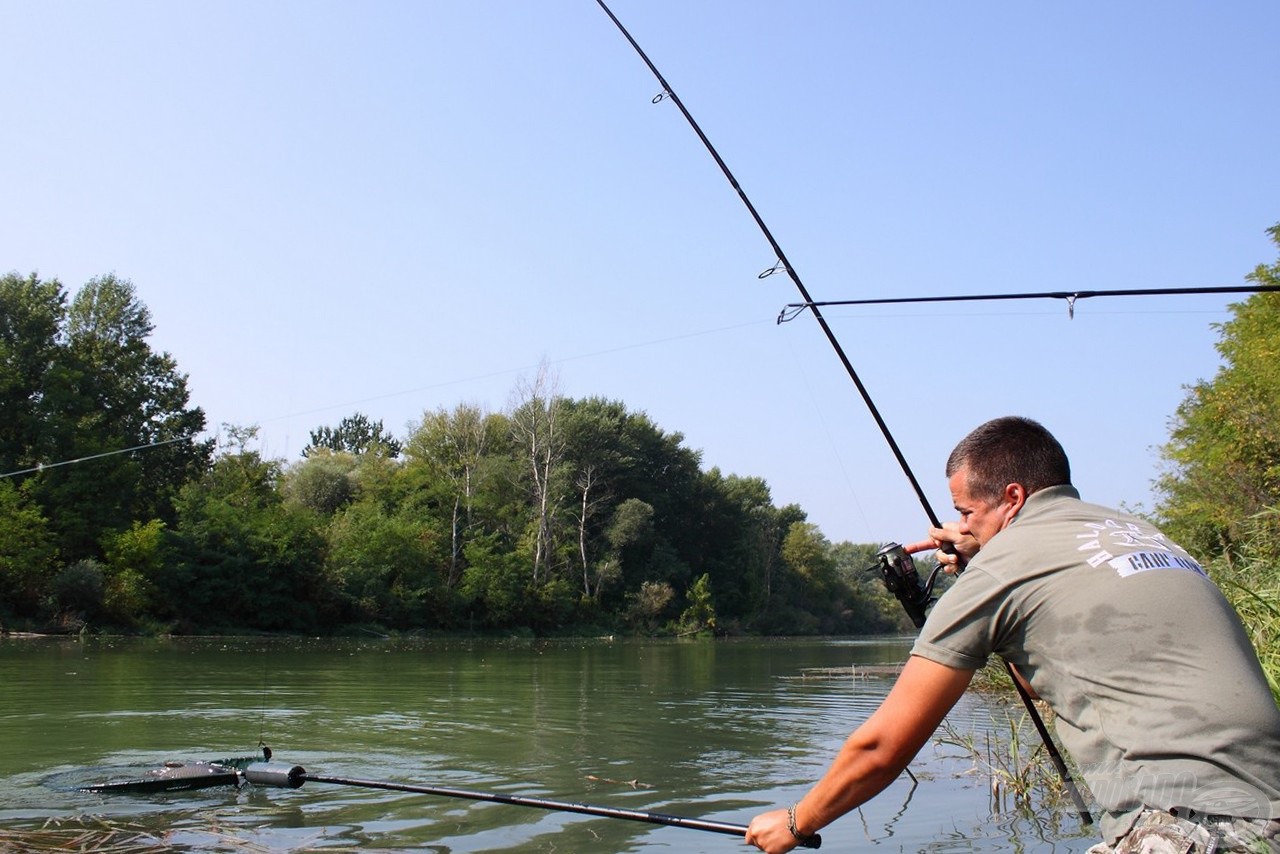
(556,515)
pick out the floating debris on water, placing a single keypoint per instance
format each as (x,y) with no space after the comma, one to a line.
(853,671)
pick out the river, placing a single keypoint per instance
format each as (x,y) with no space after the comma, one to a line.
(714,730)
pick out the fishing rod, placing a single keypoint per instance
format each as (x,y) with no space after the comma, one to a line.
(783,264)
(281,774)
(237,772)
(792,310)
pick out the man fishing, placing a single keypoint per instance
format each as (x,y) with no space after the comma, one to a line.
(1156,688)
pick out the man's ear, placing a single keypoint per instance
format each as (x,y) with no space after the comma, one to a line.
(1015,495)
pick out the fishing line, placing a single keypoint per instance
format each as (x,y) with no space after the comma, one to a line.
(783,265)
(826,429)
(262,712)
(39,467)
(510,371)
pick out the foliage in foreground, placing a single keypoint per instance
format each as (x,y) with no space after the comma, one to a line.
(1019,773)
(1009,754)
(1250,578)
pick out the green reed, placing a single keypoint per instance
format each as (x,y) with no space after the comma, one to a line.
(1249,575)
(1016,764)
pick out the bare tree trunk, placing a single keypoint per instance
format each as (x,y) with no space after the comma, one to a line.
(455,544)
(585,483)
(535,422)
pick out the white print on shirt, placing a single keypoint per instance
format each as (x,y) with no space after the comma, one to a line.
(1132,564)
(1142,549)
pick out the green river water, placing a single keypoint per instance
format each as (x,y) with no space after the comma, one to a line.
(717,730)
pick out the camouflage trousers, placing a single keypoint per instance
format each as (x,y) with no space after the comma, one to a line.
(1159,832)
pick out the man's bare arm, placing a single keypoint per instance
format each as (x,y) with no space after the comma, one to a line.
(873,756)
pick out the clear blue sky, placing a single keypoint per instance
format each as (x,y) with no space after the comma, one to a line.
(400,206)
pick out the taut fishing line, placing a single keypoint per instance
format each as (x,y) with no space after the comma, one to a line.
(831,440)
(42,466)
(914,595)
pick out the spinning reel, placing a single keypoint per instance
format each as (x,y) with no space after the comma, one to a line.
(898,571)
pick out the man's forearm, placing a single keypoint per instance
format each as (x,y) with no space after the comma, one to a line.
(877,752)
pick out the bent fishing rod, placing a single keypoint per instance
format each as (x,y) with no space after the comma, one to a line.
(237,772)
(783,264)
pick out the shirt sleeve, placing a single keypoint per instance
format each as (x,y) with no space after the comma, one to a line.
(960,630)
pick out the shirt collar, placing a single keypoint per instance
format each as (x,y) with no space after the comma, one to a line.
(1043,498)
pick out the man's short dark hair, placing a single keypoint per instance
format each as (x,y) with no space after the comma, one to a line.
(1010,450)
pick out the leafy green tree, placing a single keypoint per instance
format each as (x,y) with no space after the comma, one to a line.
(808,553)
(614,458)
(324,482)
(135,558)
(386,566)
(31,318)
(700,615)
(108,393)
(1223,453)
(871,608)
(458,464)
(557,605)
(811,599)
(629,541)
(647,606)
(355,434)
(496,584)
(591,496)
(28,554)
(240,476)
(740,536)
(633,458)
(242,558)
(78,593)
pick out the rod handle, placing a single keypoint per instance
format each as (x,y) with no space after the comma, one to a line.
(279,774)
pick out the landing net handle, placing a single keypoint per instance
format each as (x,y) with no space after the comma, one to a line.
(293,776)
